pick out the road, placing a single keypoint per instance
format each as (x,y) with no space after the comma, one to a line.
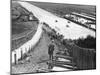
(72,31)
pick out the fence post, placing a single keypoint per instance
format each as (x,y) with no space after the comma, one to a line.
(29,49)
(21,54)
(15,58)
(25,50)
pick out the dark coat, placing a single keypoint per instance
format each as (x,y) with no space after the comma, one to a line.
(50,48)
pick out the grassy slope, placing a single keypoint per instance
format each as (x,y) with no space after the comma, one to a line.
(83,57)
(20,29)
(20,39)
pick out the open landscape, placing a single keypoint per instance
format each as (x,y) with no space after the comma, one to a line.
(35,25)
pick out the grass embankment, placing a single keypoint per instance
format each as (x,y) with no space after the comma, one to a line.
(16,43)
(84,58)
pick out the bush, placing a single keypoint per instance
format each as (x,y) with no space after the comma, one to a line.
(83,57)
(89,42)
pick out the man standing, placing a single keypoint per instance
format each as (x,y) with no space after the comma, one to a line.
(50,52)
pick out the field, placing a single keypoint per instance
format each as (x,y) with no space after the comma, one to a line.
(63,9)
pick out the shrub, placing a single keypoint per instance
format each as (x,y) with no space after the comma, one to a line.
(89,42)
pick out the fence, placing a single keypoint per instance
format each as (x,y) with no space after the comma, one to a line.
(19,52)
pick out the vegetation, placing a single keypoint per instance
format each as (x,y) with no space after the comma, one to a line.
(89,42)
(84,58)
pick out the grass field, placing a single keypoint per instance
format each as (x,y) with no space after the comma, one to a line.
(63,9)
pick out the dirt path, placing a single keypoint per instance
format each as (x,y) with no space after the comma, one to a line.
(41,51)
(38,55)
